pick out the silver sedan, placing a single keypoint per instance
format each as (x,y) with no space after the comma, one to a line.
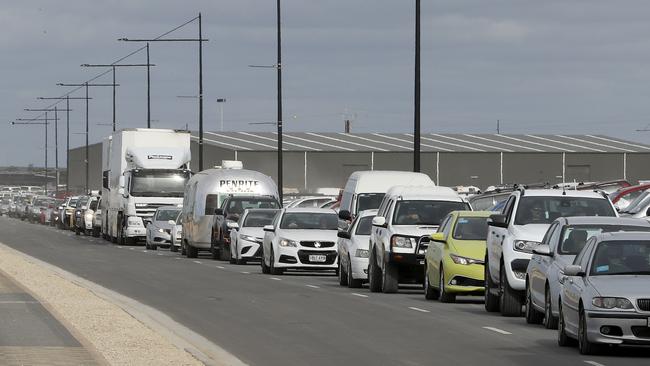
(159,231)
(605,297)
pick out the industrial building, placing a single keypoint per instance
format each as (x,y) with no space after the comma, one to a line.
(323,160)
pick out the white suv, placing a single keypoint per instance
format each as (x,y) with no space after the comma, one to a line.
(518,229)
(406,216)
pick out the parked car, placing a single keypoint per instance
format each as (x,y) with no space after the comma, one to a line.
(639,208)
(624,196)
(67,213)
(605,297)
(518,229)
(564,239)
(315,202)
(400,234)
(454,259)
(300,238)
(79,217)
(159,229)
(247,235)
(353,247)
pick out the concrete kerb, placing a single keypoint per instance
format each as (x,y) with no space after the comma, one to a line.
(177,334)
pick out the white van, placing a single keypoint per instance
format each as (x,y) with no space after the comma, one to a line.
(205,194)
(365,190)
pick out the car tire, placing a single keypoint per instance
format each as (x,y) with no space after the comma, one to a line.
(532,315)
(191,251)
(265,268)
(550,321)
(352,282)
(390,276)
(215,252)
(77,231)
(563,340)
(430,293)
(509,301)
(374,275)
(491,300)
(444,295)
(342,275)
(153,247)
(584,345)
(274,271)
(183,249)
(173,248)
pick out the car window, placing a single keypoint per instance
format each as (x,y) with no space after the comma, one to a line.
(470,228)
(364,226)
(424,212)
(166,215)
(211,203)
(445,223)
(369,201)
(309,221)
(629,257)
(509,206)
(237,205)
(543,210)
(259,218)
(575,237)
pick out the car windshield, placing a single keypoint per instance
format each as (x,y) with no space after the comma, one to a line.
(259,218)
(638,204)
(471,228)
(158,183)
(369,201)
(236,206)
(309,221)
(543,210)
(630,257)
(364,225)
(575,237)
(167,214)
(424,212)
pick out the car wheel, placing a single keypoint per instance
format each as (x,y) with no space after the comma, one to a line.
(342,275)
(183,249)
(265,268)
(532,315)
(584,345)
(430,293)
(491,300)
(374,275)
(274,271)
(389,279)
(550,321)
(77,231)
(232,259)
(563,339)
(352,282)
(444,295)
(191,251)
(153,247)
(510,302)
(146,243)
(173,248)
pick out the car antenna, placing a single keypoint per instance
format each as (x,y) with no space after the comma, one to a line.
(563,189)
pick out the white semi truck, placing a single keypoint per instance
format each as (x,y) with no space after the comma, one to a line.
(142,169)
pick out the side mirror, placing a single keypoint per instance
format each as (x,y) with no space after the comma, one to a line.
(379,221)
(573,271)
(345,215)
(498,221)
(232,225)
(544,250)
(343,235)
(121,191)
(439,237)
(232,217)
(218,211)
(269,228)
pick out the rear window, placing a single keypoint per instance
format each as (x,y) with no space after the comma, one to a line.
(471,228)
(543,210)
(369,201)
(259,218)
(425,212)
(237,206)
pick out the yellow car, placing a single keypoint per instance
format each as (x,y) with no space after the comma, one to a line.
(454,262)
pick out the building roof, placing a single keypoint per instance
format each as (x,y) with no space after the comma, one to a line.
(430,142)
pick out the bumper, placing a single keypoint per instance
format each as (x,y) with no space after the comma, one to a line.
(299,258)
(249,250)
(162,238)
(359,268)
(135,232)
(625,328)
(464,278)
(516,273)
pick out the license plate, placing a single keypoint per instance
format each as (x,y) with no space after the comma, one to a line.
(317,258)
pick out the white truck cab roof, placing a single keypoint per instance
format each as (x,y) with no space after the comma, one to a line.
(424,193)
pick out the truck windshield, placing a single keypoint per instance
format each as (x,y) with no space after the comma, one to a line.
(424,212)
(157,183)
(369,201)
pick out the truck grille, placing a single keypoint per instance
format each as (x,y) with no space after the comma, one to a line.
(149,210)
(644,304)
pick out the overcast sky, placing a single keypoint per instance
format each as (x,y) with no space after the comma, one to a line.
(553,66)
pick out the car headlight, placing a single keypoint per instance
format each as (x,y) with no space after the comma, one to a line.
(250,238)
(525,246)
(464,260)
(288,243)
(402,242)
(362,253)
(134,221)
(161,230)
(612,303)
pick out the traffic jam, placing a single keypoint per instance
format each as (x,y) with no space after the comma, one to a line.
(573,257)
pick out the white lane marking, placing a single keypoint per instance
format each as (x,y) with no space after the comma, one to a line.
(276,279)
(18,302)
(119,247)
(178,258)
(359,295)
(501,331)
(197,262)
(245,272)
(418,309)
(312,286)
(131,248)
(160,254)
(221,267)
(145,251)
(594,363)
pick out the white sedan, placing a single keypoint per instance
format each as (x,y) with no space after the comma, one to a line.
(300,238)
(353,250)
(247,236)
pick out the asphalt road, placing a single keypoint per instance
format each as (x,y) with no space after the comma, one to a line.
(302,319)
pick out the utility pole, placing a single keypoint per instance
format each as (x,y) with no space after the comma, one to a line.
(498,127)
(416,114)
(279,71)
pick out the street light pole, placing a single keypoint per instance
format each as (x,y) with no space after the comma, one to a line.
(30,121)
(148,90)
(220,102)
(416,113)
(279,71)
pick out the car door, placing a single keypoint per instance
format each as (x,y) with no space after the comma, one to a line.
(496,236)
(538,266)
(438,250)
(382,234)
(269,236)
(344,244)
(573,288)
